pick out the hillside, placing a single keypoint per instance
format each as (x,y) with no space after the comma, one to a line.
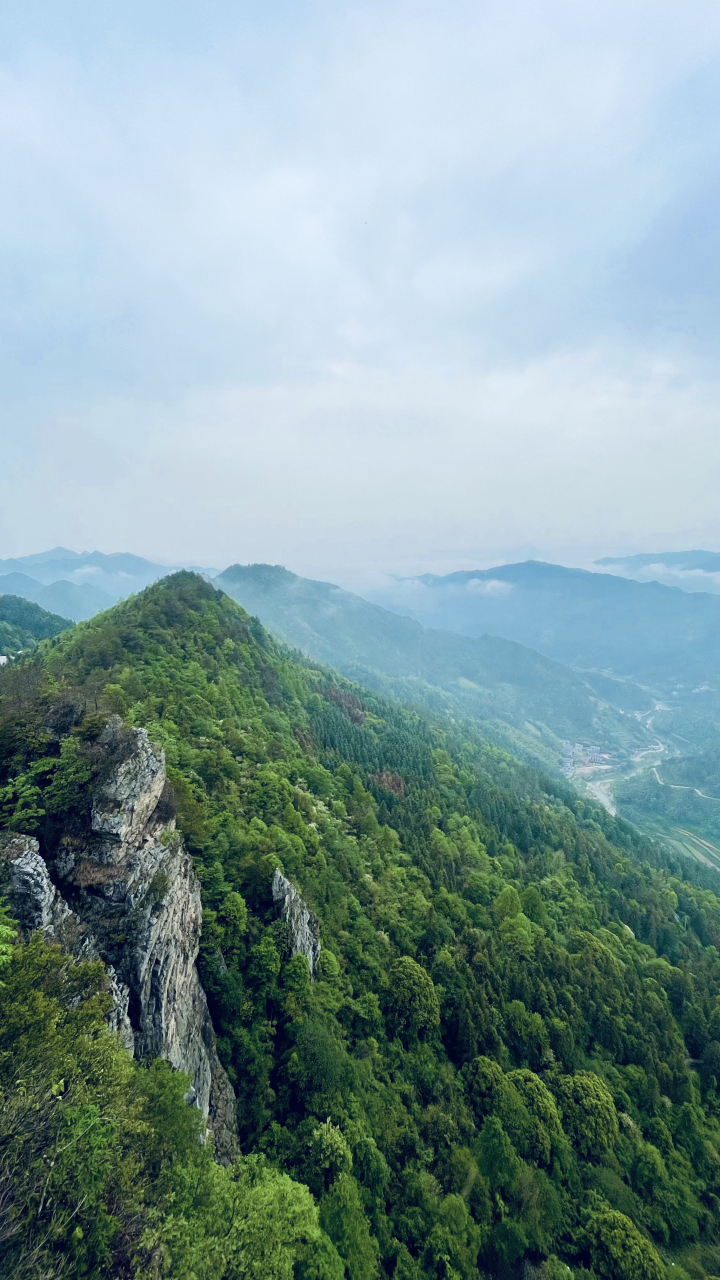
(23,625)
(681,793)
(495,680)
(509,1052)
(70,599)
(654,634)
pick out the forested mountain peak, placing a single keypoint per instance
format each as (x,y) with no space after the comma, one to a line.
(508,1057)
(262,573)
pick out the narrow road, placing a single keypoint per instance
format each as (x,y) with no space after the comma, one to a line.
(675,786)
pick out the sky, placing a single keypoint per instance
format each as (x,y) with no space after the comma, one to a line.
(359,288)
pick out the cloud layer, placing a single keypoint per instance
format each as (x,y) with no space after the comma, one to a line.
(358,284)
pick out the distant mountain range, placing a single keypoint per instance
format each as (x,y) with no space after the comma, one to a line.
(690,570)
(539,701)
(66,598)
(547,651)
(79,585)
(648,632)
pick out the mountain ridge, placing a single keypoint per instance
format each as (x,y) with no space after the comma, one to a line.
(654,633)
(494,1065)
(488,676)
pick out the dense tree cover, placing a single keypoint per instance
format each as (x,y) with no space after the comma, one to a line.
(511,1050)
(101,1167)
(23,624)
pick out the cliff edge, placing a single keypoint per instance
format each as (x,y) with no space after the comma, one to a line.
(125,891)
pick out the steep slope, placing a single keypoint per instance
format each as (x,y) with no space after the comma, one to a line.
(23,624)
(510,1047)
(647,631)
(487,677)
(124,890)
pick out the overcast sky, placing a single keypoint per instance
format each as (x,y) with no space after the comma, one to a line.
(359,287)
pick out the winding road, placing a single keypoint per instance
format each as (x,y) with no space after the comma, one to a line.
(675,786)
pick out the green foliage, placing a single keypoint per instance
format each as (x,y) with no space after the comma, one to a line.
(101,1164)
(589,1114)
(342,1217)
(544,1134)
(23,623)
(7,935)
(514,1025)
(330,1151)
(243,1222)
(412,996)
(619,1251)
(507,904)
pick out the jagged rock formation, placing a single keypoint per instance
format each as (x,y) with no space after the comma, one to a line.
(36,904)
(126,891)
(302,923)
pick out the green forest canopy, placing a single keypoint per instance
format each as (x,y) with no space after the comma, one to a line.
(23,624)
(512,1049)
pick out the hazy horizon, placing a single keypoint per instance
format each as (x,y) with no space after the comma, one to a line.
(357,289)
(366,577)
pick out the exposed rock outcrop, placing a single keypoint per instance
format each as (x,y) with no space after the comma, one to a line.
(37,904)
(302,923)
(127,892)
(35,900)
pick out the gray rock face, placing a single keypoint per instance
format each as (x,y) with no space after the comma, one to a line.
(36,904)
(129,894)
(302,923)
(125,801)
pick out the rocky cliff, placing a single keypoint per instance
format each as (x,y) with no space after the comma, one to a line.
(302,923)
(125,890)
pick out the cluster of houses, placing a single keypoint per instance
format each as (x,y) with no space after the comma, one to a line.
(582,753)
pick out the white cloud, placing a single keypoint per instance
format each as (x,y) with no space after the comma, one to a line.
(361,468)
(489,587)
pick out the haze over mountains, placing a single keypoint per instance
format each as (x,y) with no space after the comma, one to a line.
(542,655)
(78,585)
(645,631)
(486,676)
(691,570)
